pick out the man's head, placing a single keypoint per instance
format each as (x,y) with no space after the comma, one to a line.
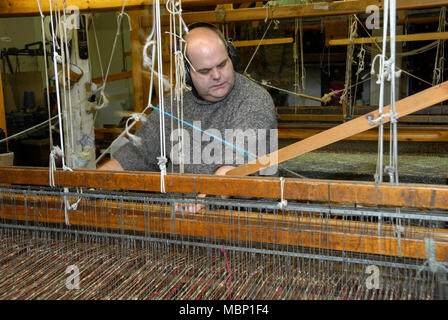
(211,69)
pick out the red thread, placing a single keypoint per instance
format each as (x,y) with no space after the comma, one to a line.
(223,250)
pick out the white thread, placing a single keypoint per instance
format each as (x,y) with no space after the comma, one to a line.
(162,160)
(148,62)
(136,117)
(440,54)
(55,152)
(283,202)
(120,17)
(103,99)
(258,46)
(431,262)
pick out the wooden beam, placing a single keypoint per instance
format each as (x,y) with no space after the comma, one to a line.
(319,9)
(417,20)
(399,38)
(303,230)
(299,132)
(264,42)
(10,8)
(411,104)
(355,193)
(404,134)
(340,118)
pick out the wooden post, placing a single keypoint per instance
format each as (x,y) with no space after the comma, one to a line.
(136,52)
(2,110)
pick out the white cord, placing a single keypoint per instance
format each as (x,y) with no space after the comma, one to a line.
(162,160)
(283,202)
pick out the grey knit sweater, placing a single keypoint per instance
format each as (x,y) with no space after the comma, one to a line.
(247,106)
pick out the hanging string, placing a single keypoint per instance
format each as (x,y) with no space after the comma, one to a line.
(55,153)
(102,89)
(97,48)
(296,64)
(136,117)
(402,54)
(29,130)
(258,46)
(360,56)
(439,63)
(66,77)
(47,82)
(180,84)
(302,61)
(387,72)
(178,47)
(162,160)
(56,57)
(283,202)
(346,97)
(171,8)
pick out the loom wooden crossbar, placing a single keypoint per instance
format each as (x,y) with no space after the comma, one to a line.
(342,235)
(353,192)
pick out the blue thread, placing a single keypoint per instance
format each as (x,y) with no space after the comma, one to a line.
(209,134)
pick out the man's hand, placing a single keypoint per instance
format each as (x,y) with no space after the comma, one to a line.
(196,207)
(190,207)
(112,165)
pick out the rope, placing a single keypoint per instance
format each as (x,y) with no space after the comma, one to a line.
(346,96)
(97,48)
(55,153)
(434,265)
(403,54)
(47,82)
(162,160)
(117,33)
(37,126)
(296,62)
(258,46)
(440,55)
(387,72)
(58,98)
(302,62)
(66,75)
(283,202)
(220,13)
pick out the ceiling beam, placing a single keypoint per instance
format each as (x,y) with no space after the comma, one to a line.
(9,8)
(316,9)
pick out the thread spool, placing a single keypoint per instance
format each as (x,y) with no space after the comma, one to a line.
(75,75)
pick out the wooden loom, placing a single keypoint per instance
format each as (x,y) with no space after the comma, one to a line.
(327,225)
(339,220)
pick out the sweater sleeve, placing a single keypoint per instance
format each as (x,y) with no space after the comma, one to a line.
(255,116)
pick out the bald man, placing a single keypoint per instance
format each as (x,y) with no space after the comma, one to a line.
(222,102)
(211,70)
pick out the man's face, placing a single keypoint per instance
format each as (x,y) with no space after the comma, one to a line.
(211,69)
